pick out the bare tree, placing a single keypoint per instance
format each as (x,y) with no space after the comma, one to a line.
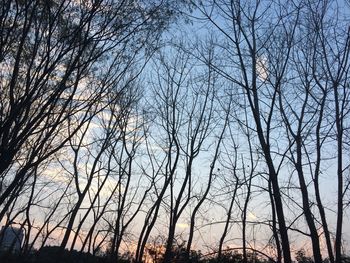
(292,64)
(245,37)
(335,50)
(49,51)
(193,109)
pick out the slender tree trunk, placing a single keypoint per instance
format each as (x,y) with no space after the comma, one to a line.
(70,224)
(276,193)
(306,206)
(274,226)
(227,223)
(316,179)
(339,128)
(244,219)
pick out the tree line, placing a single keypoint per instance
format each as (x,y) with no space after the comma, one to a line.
(131,125)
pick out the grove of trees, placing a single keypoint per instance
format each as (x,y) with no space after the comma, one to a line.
(176,131)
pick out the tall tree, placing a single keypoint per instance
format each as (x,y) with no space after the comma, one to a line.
(53,57)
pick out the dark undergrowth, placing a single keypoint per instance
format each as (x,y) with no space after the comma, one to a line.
(53,255)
